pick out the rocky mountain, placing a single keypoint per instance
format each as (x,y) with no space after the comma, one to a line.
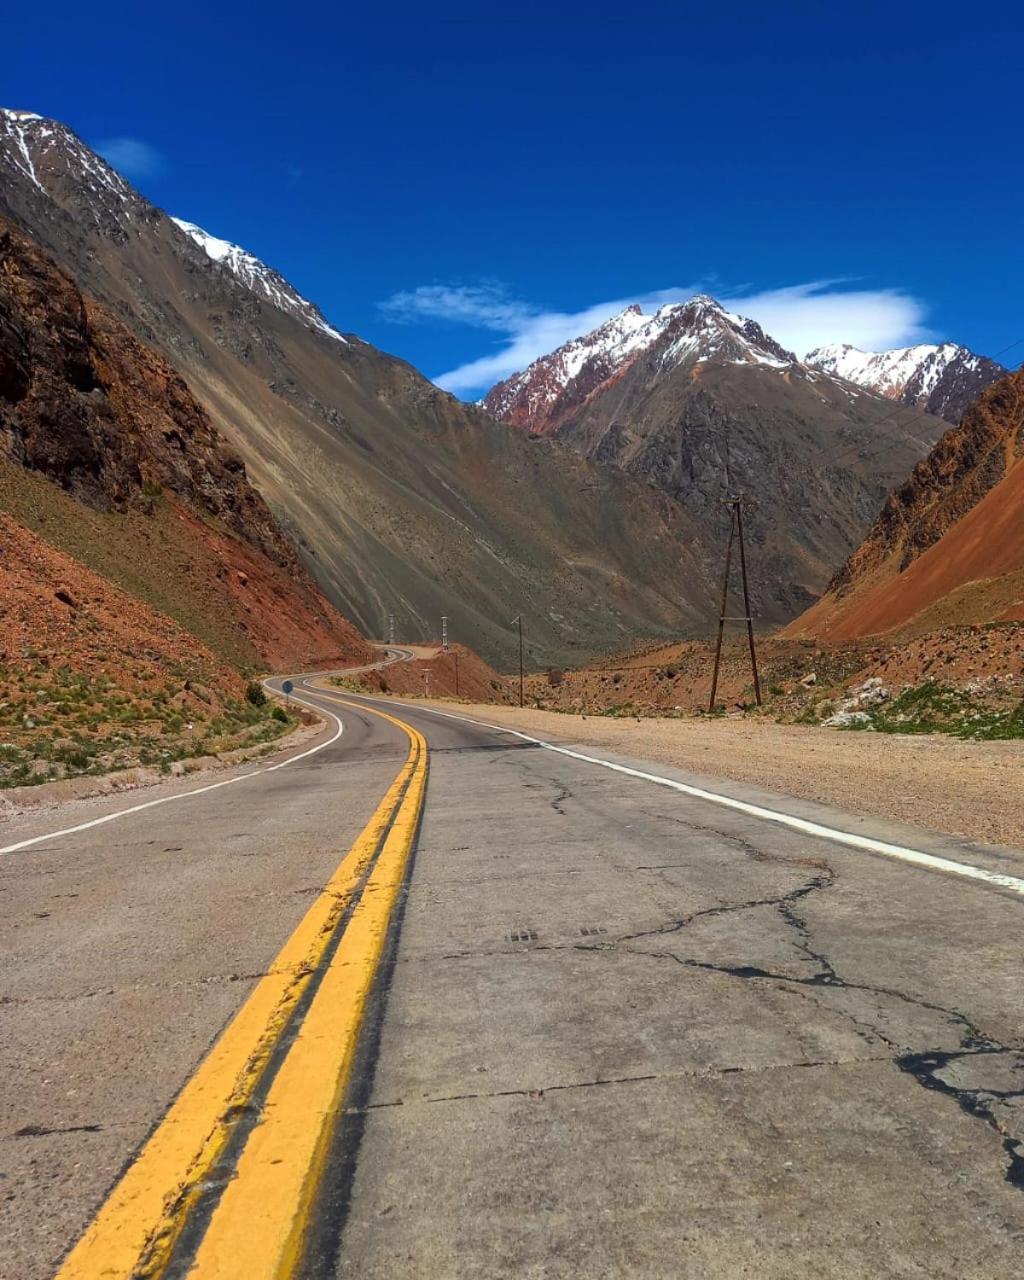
(107,455)
(942,380)
(400,498)
(948,545)
(700,402)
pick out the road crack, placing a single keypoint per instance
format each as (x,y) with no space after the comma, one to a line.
(709,1072)
(925,1069)
(41,1131)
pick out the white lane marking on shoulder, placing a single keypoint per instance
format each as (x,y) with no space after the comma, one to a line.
(184,795)
(933,861)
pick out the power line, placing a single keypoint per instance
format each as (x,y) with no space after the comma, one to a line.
(1009,348)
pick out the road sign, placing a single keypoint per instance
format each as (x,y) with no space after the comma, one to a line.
(287,686)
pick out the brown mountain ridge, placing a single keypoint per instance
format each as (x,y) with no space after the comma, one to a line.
(948,545)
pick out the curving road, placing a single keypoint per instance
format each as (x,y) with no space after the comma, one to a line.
(597,1024)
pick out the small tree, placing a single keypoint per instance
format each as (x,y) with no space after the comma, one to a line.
(256,694)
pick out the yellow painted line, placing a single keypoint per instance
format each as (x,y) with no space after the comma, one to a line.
(259,1227)
(136,1228)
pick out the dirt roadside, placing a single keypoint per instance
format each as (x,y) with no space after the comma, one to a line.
(967,789)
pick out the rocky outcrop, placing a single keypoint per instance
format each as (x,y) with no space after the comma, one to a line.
(88,408)
(86,404)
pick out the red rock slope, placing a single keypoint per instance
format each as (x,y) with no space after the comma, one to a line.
(948,546)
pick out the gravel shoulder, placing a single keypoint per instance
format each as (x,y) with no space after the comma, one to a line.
(966,789)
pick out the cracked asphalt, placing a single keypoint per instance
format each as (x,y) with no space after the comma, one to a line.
(620,1032)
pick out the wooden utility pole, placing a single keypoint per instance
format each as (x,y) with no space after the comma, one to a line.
(735,505)
(518,620)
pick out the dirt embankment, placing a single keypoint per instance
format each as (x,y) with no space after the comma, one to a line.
(94,681)
(795,673)
(56,611)
(459,673)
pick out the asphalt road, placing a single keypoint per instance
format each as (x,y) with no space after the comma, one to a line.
(614,1030)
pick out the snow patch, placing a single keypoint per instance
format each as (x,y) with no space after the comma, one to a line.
(891,373)
(257,276)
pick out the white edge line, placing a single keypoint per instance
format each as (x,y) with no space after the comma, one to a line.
(183,795)
(1014,883)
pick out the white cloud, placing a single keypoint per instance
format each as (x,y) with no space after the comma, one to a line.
(484,305)
(131,157)
(799,316)
(805,316)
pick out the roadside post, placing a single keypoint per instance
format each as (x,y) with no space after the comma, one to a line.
(518,621)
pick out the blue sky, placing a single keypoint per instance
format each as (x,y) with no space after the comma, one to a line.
(467,189)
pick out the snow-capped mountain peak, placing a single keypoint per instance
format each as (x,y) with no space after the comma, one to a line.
(257,276)
(40,149)
(56,165)
(942,378)
(887,372)
(696,330)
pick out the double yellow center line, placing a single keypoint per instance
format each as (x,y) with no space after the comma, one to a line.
(257,1226)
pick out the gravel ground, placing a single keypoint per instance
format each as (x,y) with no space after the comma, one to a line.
(968,789)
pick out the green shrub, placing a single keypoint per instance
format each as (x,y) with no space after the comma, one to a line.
(280,715)
(255,694)
(995,726)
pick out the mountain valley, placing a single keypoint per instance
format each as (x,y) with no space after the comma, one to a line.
(399,498)
(588,487)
